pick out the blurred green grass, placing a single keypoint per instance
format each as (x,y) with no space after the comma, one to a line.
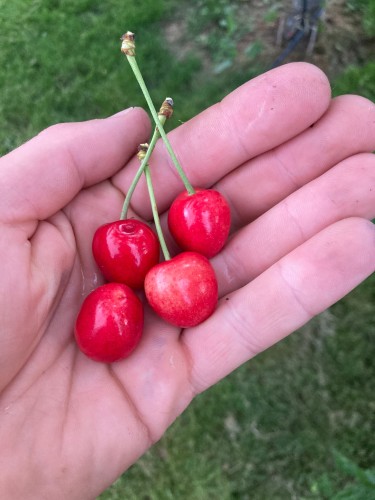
(275,427)
(61,61)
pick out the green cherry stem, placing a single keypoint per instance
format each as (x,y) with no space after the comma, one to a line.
(165,112)
(154,208)
(128,48)
(155,214)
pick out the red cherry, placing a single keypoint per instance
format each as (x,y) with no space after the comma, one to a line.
(200,222)
(125,250)
(110,322)
(183,290)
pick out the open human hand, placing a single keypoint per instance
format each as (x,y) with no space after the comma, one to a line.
(296,170)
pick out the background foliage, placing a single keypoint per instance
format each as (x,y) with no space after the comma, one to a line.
(296,422)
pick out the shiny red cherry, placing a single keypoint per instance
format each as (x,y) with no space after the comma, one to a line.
(125,250)
(183,290)
(110,322)
(200,222)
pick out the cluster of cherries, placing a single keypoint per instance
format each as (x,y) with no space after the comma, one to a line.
(182,290)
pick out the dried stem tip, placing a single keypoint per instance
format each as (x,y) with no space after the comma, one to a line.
(166,108)
(128,44)
(142,150)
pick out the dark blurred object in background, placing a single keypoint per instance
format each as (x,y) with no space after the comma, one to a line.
(299,22)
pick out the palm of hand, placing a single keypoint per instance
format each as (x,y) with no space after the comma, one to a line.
(72,425)
(57,401)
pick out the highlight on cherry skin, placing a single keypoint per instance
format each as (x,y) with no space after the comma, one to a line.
(183,290)
(200,222)
(125,250)
(110,323)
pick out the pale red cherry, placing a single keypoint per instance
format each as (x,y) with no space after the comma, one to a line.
(125,250)
(183,290)
(200,222)
(110,323)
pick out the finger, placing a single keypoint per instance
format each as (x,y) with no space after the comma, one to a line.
(282,299)
(43,175)
(346,190)
(256,117)
(347,128)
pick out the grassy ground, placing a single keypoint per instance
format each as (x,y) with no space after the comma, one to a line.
(296,421)
(61,61)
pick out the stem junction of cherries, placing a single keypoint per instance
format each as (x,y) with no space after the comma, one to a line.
(183,289)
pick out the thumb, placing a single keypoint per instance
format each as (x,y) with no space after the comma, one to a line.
(42,176)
